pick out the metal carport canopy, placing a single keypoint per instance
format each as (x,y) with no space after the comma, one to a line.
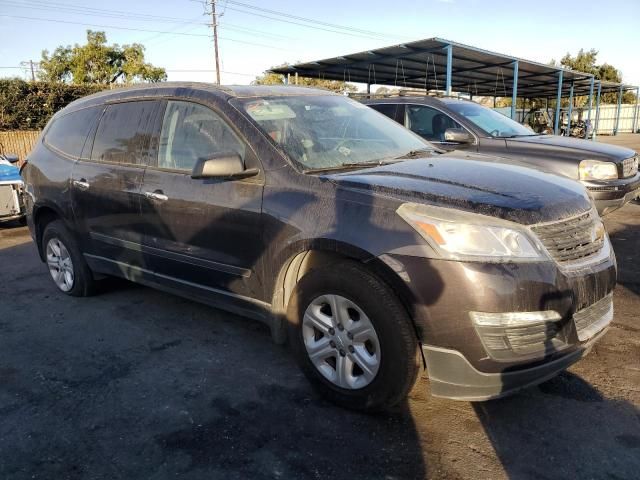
(423,64)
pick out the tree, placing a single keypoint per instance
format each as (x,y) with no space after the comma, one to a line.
(98,63)
(269,78)
(585,61)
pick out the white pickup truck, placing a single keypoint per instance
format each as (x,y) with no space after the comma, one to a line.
(11,189)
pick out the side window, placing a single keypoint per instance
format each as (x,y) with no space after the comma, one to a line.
(388,109)
(124,132)
(191,132)
(429,123)
(68,133)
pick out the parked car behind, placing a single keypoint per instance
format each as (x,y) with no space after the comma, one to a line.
(11,189)
(338,227)
(610,173)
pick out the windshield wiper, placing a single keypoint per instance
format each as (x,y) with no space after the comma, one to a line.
(346,166)
(516,135)
(417,153)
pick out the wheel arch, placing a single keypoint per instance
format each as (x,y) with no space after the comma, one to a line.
(300,259)
(43,215)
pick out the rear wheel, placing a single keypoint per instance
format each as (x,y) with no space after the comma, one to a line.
(353,338)
(66,265)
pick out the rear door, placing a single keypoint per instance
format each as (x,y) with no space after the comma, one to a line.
(202,233)
(106,183)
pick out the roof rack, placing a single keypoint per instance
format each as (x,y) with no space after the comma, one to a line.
(404,92)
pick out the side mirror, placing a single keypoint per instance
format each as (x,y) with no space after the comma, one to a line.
(222,165)
(457,135)
(11,158)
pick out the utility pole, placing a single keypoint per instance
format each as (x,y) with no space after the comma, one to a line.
(30,66)
(215,39)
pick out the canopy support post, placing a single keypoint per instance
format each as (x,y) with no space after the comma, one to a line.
(590,98)
(556,121)
(598,95)
(635,111)
(449,50)
(570,110)
(615,129)
(514,95)
(368,88)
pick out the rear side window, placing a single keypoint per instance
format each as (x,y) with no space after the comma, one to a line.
(191,132)
(68,133)
(429,123)
(124,133)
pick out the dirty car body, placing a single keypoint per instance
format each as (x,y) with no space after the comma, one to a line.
(609,172)
(11,190)
(504,273)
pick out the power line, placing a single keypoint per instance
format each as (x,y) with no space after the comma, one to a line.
(310,20)
(142,30)
(256,14)
(117,14)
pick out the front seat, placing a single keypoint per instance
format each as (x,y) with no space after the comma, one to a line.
(439,125)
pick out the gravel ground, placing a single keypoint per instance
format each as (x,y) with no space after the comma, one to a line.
(135,383)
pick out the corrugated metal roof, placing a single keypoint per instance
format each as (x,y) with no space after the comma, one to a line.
(423,64)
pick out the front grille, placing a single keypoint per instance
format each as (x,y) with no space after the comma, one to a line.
(594,318)
(573,239)
(629,167)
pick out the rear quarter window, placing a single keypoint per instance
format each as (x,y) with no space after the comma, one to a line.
(68,133)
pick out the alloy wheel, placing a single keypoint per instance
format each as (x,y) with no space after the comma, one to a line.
(60,264)
(341,341)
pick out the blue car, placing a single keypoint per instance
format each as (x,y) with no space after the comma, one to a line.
(11,189)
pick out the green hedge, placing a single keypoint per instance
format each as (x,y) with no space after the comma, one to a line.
(30,105)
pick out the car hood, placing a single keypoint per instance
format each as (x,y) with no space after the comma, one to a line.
(9,173)
(510,192)
(580,147)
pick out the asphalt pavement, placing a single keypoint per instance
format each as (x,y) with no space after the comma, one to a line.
(135,383)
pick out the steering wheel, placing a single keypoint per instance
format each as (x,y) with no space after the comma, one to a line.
(495,133)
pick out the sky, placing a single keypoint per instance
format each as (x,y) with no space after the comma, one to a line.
(258,34)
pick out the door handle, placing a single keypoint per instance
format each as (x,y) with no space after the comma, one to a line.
(82,184)
(160,197)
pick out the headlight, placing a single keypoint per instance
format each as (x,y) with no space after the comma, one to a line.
(597,170)
(461,235)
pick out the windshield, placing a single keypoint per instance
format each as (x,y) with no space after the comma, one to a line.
(327,131)
(492,122)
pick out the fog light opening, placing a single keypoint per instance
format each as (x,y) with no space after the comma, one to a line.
(512,336)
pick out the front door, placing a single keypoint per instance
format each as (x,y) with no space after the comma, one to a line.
(201,233)
(106,184)
(431,125)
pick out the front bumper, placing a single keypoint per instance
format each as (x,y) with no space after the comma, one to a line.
(452,376)
(444,292)
(611,195)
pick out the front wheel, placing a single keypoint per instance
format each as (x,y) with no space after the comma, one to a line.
(353,338)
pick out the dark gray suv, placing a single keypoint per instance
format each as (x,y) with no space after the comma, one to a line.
(610,173)
(348,234)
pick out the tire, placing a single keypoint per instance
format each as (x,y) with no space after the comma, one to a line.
(56,241)
(353,290)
